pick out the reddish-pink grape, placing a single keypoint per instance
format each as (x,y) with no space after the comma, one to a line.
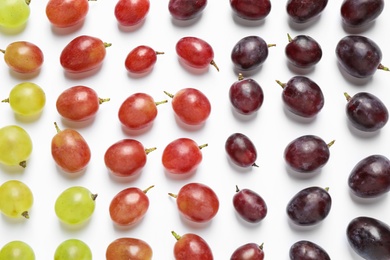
(186,9)
(241,150)
(191,246)
(249,205)
(129,248)
(64,13)
(131,12)
(248,251)
(141,59)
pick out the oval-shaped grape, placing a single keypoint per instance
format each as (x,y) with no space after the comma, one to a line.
(16,199)
(15,146)
(249,205)
(251,9)
(141,59)
(186,9)
(73,249)
(131,12)
(241,150)
(64,14)
(249,251)
(191,246)
(356,13)
(17,250)
(303,51)
(129,248)
(369,238)
(307,250)
(14,14)
(302,11)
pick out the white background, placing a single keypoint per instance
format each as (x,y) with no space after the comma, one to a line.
(271,130)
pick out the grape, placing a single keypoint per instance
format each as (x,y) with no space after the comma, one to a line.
(125,248)
(246,95)
(64,14)
(191,246)
(249,205)
(23,57)
(75,205)
(369,238)
(370,177)
(70,151)
(302,96)
(197,202)
(141,60)
(307,250)
(26,99)
(73,249)
(249,251)
(17,250)
(241,150)
(129,206)
(359,56)
(195,52)
(303,11)
(182,156)
(131,12)
(307,153)
(186,10)
(16,199)
(191,106)
(251,9)
(138,111)
(309,206)
(303,51)
(83,53)
(357,13)
(79,103)
(14,13)
(249,53)
(366,112)
(15,146)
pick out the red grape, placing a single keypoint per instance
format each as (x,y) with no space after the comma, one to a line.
(191,246)
(195,52)
(182,156)
(141,59)
(23,57)
(126,158)
(131,12)
(186,9)
(129,206)
(249,205)
(356,13)
(251,9)
(64,13)
(307,250)
(197,202)
(78,103)
(303,51)
(249,251)
(125,248)
(241,150)
(302,11)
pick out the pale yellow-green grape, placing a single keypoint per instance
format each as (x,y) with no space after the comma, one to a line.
(75,205)
(73,249)
(14,13)
(27,99)
(17,250)
(15,146)
(16,199)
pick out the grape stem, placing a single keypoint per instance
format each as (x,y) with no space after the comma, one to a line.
(203,146)
(172,195)
(289,37)
(5,100)
(25,214)
(331,143)
(168,94)
(23,164)
(148,188)
(106,44)
(281,83)
(176,235)
(94,196)
(28,2)
(240,76)
(57,128)
(159,52)
(161,102)
(1,50)
(347,96)
(381,67)
(148,150)
(102,100)
(214,64)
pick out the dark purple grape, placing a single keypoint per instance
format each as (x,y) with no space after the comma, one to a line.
(302,11)
(370,177)
(186,9)
(246,95)
(307,153)
(302,96)
(366,112)
(249,53)
(355,13)
(303,51)
(251,9)
(241,150)
(309,206)
(369,238)
(249,205)
(359,56)
(307,250)
(249,251)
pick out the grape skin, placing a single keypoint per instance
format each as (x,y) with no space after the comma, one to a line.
(129,248)
(73,249)
(16,199)
(17,250)
(14,14)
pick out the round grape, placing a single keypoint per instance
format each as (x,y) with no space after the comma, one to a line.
(14,13)
(251,9)
(131,12)
(191,246)
(73,249)
(64,14)
(16,199)
(141,60)
(186,10)
(17,250)
(129,248)
(15,146)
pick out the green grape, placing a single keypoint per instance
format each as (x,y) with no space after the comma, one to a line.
(17,250)
(75,205)
(14,13)
(26,99)
(73,249)
(16,199)
(15,146)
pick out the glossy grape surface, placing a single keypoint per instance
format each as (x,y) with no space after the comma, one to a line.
(241,150)
(251,9)
(63,13)
(309,206)
(131,12)
(302,96)
(191,246)
(14,14)
(302,11)
(356,13)
(370,177)
(16,199)
(307,153)
(366,112)
(359,56)
(186,9)
(73,249)
(249,251)
(307,250)
(250,205)
(17,250)
(15,145)
(303,51)
(246,95)
(141,59)
(369,238)
(129,248)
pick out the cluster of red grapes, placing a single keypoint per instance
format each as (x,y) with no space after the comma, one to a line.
(358,55)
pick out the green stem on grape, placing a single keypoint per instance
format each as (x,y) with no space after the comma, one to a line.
(289,37)
(25,214)
(3,51)
(172,195)
(94,196)
(106,44)
(271,45)
(214,64)
(176,235)
(281,83)
(57,128)
(28,2)
(149,150)
(5,100)
(203,146)
(102,100)
(261,246)
(381,67)
(347,96)
(168,94)
(161,102)
(327,189)
(331,143)
(23,164)
(148,188)
(159,52)
(240,76)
